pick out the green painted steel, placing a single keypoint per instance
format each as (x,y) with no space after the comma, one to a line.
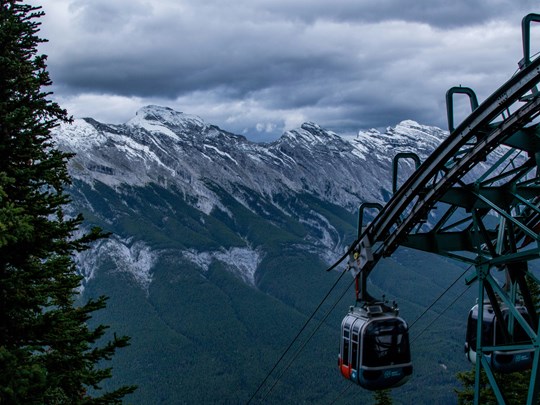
(526,37)
(361,211)
(450,103)
(395,166)
(476,199)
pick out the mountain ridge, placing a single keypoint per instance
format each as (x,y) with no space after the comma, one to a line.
(177,147)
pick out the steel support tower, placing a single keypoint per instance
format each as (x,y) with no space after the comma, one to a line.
(476,199)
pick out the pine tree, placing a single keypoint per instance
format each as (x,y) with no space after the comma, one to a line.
(466,395)
(382,397)
(48,353)
(515,387)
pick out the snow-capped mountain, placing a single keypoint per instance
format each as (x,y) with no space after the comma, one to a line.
(219,245)
(166,147)
(173,150)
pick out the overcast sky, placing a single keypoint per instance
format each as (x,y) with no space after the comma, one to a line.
(259,67)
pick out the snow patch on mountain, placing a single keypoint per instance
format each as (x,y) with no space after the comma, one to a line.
(329,236)
(87,262)
(241,261)
(406,136)
(79,136)
(137,259)
(228,156)
(155,118)
(124,255)
(151,126)
(200,259)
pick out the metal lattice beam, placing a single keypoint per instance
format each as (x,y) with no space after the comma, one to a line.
(476,198)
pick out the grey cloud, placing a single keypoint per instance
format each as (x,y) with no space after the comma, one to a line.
(150,65)
(344,64)
(98,15)
(438,13)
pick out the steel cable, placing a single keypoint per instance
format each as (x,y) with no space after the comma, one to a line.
(308,339)
(299,333)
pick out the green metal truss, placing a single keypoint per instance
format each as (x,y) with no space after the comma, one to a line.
(476,199)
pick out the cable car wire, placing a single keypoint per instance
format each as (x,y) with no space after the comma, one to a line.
(333,266)
(347,388)
(323,319)
(299,332)
(440,296)
(441,314)
(345,255)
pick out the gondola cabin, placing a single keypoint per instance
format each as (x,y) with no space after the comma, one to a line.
(374,348)
(506,361)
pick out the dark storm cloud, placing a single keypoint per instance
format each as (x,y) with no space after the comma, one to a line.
(438,13)
(161,72)
(134,56)
(267,65)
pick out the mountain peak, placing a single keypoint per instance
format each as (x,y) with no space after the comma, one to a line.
(155,118)
(310,133)
(413,125)
(311,126)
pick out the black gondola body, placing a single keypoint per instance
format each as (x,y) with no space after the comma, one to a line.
(374,349)
(506,361)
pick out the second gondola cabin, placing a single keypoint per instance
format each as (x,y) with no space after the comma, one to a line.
(506,361)
(374,348)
